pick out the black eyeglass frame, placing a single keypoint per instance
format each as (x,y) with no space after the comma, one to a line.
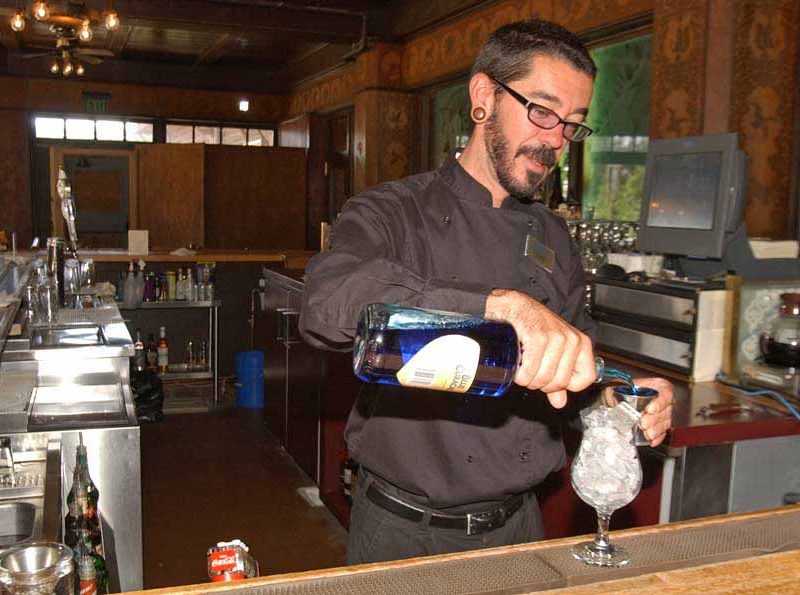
(530,105)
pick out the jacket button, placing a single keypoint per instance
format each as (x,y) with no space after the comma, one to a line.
(532,280)
(446,220)
(468,458)
(523,456)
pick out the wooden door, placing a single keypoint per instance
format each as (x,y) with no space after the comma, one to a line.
(330,169)
(104,187)
(171,194)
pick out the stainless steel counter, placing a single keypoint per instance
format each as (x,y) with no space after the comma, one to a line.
(65,378)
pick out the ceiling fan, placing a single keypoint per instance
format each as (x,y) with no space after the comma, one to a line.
(71,23)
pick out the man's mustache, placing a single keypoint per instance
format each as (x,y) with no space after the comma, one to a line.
(543,154)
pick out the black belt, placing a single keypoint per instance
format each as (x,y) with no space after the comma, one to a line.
(474,523)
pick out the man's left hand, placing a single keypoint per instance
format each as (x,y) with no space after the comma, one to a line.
(657,417)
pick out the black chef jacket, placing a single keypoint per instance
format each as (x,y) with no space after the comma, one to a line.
(434,241)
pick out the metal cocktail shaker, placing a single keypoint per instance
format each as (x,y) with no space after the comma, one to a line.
(55,265)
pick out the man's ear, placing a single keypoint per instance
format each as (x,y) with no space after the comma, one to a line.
(481,93)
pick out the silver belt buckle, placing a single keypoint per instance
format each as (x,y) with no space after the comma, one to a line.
(483,522)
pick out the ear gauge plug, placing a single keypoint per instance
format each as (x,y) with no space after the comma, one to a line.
(478,115)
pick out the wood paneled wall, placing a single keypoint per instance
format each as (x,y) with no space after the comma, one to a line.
(61,95)
(255,198)
(15,194)
(171,194)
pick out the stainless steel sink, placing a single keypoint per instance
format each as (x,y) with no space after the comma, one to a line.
(67,336)
(17,523)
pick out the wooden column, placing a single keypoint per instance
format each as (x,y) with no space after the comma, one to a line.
(383,118)
(762,96)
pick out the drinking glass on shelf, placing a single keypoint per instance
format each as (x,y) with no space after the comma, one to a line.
(607,475)
(47,304)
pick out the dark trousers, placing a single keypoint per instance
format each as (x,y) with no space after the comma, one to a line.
(377,535)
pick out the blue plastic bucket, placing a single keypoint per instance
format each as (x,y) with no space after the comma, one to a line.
(250,379)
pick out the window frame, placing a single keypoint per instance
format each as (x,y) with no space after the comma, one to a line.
(64,116)
(220,125)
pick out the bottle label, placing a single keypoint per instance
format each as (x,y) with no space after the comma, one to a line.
(163,356)
(88,587)
(447,363)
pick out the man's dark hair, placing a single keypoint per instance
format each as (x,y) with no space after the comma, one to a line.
(507,53)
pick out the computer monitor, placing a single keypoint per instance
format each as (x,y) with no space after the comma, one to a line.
(694,194)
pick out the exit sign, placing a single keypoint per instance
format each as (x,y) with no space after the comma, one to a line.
(96,103)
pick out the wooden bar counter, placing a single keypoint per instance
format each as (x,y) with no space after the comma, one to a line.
(742,553)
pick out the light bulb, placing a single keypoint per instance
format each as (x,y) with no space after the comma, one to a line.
(68,68)
(111,19)
(40,11)
(55,67)
(80,70)
(18,21)
(85,32)
(244,105)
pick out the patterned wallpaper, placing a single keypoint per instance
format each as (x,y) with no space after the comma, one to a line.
(333,91)
(762,96)
(676,102)
(15,200)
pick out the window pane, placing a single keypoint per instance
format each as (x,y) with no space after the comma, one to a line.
(234,136)
(139,132)
(80,129)
(260,138)
(178,133)
(206,134)
(110,130)
(614,156)
(49,127)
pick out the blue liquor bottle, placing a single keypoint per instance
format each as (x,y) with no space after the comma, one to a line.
(419,348)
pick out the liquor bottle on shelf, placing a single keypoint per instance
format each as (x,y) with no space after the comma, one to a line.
(139,357)
(81,516)
(163,351)
(152,353)
(420,348)
(180,286)
(87,576)
(81,551)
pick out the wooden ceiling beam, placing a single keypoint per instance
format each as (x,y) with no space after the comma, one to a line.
(136,72)
(308,24)
(217,49)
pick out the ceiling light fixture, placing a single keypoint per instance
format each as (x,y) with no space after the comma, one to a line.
(79,70)
(67,69)
(85,32)
(244,105)
(55,67)
(40,11)
(18,21)
(110,17)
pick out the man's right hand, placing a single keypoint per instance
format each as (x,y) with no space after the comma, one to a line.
(556,357)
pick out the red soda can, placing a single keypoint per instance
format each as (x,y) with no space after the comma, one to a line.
(231,561)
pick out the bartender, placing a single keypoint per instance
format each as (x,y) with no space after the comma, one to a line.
(443,473)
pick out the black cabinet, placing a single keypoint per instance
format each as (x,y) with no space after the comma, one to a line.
(292,373)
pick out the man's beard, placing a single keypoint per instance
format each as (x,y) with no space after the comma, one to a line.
(497,148)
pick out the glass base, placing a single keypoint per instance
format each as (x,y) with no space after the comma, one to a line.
(591,553)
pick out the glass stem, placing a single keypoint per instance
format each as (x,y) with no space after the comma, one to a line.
(601,540)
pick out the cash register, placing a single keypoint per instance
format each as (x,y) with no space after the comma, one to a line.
(692,212)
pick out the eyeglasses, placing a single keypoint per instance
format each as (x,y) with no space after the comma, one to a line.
(544,117)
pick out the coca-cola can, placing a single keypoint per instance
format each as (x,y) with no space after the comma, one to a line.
(231,561)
